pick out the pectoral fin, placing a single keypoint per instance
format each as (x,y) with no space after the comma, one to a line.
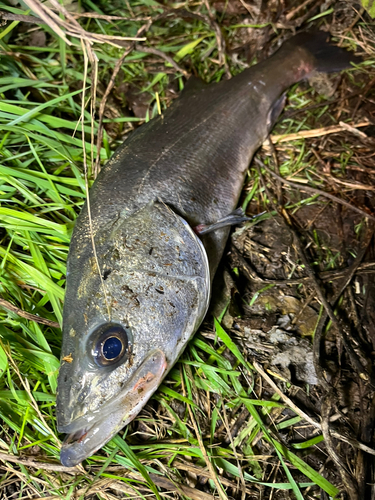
(235,217)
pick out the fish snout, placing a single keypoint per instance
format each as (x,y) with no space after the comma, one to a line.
(90,432)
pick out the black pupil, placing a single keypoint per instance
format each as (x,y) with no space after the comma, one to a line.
(112,348)
(110,344)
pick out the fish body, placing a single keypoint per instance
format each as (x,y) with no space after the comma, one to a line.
(125,327)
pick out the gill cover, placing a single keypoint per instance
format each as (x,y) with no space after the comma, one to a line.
(156,293)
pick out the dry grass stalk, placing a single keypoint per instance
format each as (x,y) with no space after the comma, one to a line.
(71,27)
(318,132)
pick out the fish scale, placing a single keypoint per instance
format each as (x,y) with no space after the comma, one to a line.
(151,291)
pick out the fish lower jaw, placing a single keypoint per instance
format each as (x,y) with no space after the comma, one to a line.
(76,436)
(89,433)
(84,442)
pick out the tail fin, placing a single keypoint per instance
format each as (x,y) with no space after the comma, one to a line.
(327,58)
(298,58)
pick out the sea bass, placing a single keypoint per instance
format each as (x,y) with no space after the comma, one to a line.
(134,298)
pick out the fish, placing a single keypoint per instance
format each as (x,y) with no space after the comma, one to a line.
(139,274)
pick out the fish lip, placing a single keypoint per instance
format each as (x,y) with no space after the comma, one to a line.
(83,436)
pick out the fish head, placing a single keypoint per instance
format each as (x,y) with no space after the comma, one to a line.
(123,330)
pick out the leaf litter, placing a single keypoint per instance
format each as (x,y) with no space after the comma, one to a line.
(241,414)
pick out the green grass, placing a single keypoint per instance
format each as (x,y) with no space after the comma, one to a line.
(42,189)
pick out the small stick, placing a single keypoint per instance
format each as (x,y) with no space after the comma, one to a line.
(143,29)
(200,471)
(353,130)
(156,52)
(36,7)
(349,481)
(355,359)
(31,462)
(24,314)
(290,113)
(219,39)
(8,16)
(103,103)
(318,132)
(294,11)
(285,398)
(277,167)
(49,17)
(352,185)
(94,15)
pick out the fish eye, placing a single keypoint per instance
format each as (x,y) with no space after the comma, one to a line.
(110,344)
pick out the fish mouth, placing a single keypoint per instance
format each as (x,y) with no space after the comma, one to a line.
(85,439)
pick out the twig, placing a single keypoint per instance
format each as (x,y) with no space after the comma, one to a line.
(285,398)
(87,54)
(8,16)
(219,39)
(310,189)
(143,29)
(296,23)
(318,132)
(103,103)
(94,15)
(36,7)
(200,471)
(24,314)
(187,491)
(163,55)
(353,442)
(277,167)
(353,130)
(347,478)
(209,19)
(352,185)
(362,96)
(31,462)
(24,478)
(289,113)
(162,482)
(294,11)
(356,361)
